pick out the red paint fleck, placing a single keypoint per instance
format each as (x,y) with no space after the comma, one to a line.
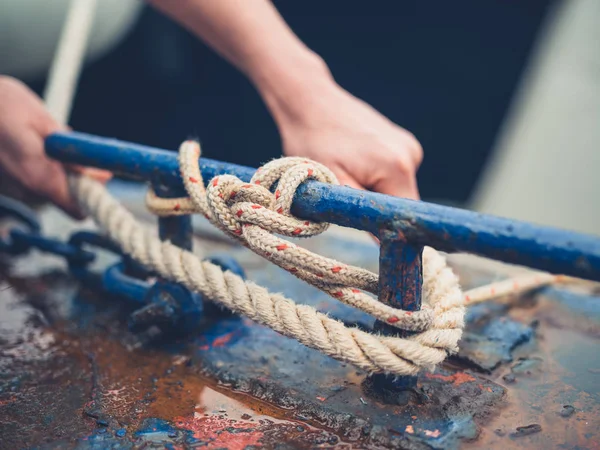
(280,210)
(393,319)
(336,269)
(281,247)
(194,180)
(277,194)
(257,182)
(321,399)
(310,172)
(256,207)
(467,298)
(307,223)
(232,195)
(239,213)
(246,186)
(320,275)
(297,231)
(338,294)
(408,313)
(215,181)
(222,340)
(177,207)
(293,270)
(238,232)
(457,378)
(8,401)
(356,291)
(267,254)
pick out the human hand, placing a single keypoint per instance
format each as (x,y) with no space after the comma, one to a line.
(24,124)
(361,146)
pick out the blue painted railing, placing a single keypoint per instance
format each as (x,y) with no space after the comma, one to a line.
(418,223)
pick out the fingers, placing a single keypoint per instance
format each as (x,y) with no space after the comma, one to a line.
(398,185)
(345,179)
(100,175)
(26,162)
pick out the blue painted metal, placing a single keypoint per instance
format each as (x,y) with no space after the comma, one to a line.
(420,223)
(171,307)
(81,270)
(167,305)
(13,209)
(400,283)
(116,281)
(17,210)
(400,272)
(23,242)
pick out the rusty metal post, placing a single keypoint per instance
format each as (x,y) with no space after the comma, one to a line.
(400,283)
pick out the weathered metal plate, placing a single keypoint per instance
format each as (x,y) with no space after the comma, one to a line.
(72,376)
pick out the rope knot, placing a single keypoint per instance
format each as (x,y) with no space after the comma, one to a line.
(255,213)
(266,201)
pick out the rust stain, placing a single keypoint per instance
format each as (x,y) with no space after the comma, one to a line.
(456,379)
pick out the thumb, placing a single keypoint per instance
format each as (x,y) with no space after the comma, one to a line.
(345,179)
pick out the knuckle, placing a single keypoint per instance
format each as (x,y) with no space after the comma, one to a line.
(402,162)
(414,147)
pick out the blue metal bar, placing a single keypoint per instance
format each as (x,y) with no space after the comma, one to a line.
(420,223)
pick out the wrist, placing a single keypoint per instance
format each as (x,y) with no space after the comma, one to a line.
(290,85)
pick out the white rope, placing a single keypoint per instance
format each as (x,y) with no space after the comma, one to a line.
(68,59)
(401,356)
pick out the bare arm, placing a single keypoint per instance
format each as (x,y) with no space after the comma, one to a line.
(315,116)
(252,36)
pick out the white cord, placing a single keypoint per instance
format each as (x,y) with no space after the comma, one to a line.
(68,59)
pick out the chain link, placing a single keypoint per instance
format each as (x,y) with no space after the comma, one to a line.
(166,304)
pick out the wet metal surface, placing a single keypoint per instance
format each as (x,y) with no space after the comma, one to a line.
(72,376)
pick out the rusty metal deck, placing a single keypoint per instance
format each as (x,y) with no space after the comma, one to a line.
(72,376)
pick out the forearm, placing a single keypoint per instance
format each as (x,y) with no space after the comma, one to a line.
(252,36)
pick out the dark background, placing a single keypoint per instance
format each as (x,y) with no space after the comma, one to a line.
(445,70)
